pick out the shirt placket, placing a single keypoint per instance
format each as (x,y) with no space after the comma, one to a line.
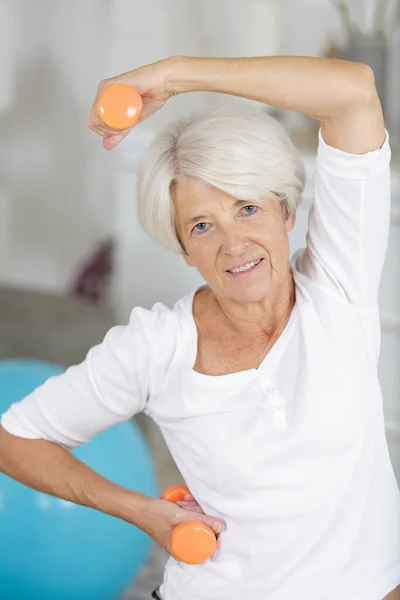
(275,401)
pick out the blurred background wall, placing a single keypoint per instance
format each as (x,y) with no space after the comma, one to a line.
(61,194)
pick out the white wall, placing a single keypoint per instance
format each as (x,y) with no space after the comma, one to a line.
(54,177)
(314,24)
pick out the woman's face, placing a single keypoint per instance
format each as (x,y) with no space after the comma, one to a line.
(240,248)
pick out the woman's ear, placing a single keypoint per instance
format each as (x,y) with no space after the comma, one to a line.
(290,222)
(189,261)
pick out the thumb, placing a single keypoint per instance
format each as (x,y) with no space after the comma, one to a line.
(111,140)
(217,525)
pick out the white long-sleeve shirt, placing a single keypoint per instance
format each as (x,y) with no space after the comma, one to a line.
(292,455)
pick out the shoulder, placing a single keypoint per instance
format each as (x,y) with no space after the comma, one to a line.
(162,315)
(161,328)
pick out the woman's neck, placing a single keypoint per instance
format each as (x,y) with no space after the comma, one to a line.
(267,317)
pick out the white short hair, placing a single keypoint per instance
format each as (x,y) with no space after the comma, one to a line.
(240,151)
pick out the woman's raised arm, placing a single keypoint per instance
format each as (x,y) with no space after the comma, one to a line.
(340,94)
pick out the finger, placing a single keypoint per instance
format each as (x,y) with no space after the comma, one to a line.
(216,524)
(98,127)
(97,130)
(195,509)
(183,503)
(94,122)
(191,507)
(189,498)
(189,502)
(110,141)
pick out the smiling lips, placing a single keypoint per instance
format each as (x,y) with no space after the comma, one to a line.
(249,266)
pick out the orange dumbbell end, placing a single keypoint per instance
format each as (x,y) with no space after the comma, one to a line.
(119,106)
(175,493)
(192,542)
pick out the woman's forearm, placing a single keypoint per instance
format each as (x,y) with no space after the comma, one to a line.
(317,87)
(47,467)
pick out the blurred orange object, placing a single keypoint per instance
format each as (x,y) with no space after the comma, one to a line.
(176,493)
(119,106)
(192,542)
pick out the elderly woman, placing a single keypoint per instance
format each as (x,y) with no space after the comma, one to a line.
(264,382)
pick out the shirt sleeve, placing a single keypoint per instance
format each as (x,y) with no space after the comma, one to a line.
(349,223)
(108,387)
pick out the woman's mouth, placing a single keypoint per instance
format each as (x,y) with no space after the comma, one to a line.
(245,268)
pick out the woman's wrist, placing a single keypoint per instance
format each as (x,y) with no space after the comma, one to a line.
(135,508)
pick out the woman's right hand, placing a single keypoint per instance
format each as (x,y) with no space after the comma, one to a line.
(161,517)
(151,81)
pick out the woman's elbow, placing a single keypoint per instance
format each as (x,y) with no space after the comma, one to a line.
(364,89)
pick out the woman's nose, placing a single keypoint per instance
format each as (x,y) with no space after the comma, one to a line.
(234,243)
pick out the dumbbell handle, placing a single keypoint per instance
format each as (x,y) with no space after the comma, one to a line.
(192,542)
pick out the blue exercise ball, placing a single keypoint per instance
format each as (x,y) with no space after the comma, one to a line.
(51,549)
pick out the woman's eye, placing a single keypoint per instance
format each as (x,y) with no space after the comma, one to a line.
(200,228)
(250,210)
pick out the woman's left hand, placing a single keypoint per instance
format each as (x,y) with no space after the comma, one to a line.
(189,503)
(150,81)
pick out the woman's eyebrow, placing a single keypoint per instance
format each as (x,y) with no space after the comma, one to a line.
(194,219)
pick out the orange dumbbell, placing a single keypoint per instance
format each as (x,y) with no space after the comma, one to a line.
(192,542)
(119,106)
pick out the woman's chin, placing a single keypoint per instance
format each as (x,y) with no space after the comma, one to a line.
(249,294)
